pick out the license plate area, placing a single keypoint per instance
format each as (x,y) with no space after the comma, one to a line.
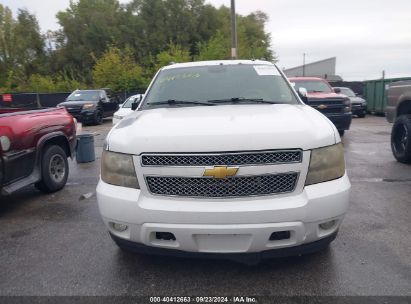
(223,243)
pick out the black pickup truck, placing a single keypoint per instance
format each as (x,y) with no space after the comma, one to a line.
(91,106)
(398,111)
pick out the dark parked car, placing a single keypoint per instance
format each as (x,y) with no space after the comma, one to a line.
(358,104)
(34,146)
(91,106)
(399,112)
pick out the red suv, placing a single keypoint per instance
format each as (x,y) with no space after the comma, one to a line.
(317,92)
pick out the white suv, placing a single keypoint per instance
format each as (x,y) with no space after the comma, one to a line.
(222,157)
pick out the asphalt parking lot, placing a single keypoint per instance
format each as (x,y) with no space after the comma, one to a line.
(57,244)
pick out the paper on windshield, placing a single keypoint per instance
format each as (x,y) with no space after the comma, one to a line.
(266,70)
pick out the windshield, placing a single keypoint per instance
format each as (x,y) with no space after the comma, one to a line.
(191,86)
(131,99)
(84,96)
(348,92)
(313,86)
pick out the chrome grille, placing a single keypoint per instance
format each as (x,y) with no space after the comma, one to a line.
(224,159)
(215,188)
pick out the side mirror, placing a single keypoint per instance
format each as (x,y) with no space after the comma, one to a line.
(337,90)
(302,92)
(134,105)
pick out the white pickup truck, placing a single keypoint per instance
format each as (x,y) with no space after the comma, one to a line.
(222,158)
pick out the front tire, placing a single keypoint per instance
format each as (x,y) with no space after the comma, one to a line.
(54,169)
(401,139)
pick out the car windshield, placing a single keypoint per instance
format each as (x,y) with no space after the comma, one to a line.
(313,86)
(130,100)
(348,92)
(219,84)
(83,96)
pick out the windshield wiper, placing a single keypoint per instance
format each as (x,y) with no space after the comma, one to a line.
(173,102)
(242,99)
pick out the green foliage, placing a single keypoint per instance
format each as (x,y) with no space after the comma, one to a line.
(105,43)
(65,84)
(39,83)
(117,70)
(216,48)
(253,41)
(174,53)
(6,44)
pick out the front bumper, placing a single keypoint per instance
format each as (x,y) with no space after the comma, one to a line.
(359,109)
(341,121)
(242,257)
(227,225)
(85,116)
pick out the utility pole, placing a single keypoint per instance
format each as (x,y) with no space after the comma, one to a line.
(233,31)
(303,64)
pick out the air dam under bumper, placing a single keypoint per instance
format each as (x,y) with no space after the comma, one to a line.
(228,226)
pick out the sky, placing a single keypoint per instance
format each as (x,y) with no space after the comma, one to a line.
(366,36)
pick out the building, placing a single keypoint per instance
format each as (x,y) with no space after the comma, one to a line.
(323,69)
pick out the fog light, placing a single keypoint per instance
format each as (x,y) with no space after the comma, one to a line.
(165,236)
(119,227)
(327,225)
(280,235)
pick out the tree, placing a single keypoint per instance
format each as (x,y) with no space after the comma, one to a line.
(6,44)
(146,34)
(174,53)
(117,70)
(21,48)
(29,43)
(88,27)
(254,42)
(217,48)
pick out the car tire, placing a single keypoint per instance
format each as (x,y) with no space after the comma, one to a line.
(361,115)
(341,132)
(401,139)
(54,169)
(98,118)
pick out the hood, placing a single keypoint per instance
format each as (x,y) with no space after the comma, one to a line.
(357,99)
(123,112)
(74,103)
(222,128)
(320,95)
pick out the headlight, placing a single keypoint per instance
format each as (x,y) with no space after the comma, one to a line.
(89,105)
(118,169)
(347,105)
(326,164)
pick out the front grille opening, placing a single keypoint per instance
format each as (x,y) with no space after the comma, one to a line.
(280,235)
(221,188)
(165,236)
(224,159)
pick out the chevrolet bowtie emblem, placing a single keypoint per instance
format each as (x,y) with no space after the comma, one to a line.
(221,172)
(322,106)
